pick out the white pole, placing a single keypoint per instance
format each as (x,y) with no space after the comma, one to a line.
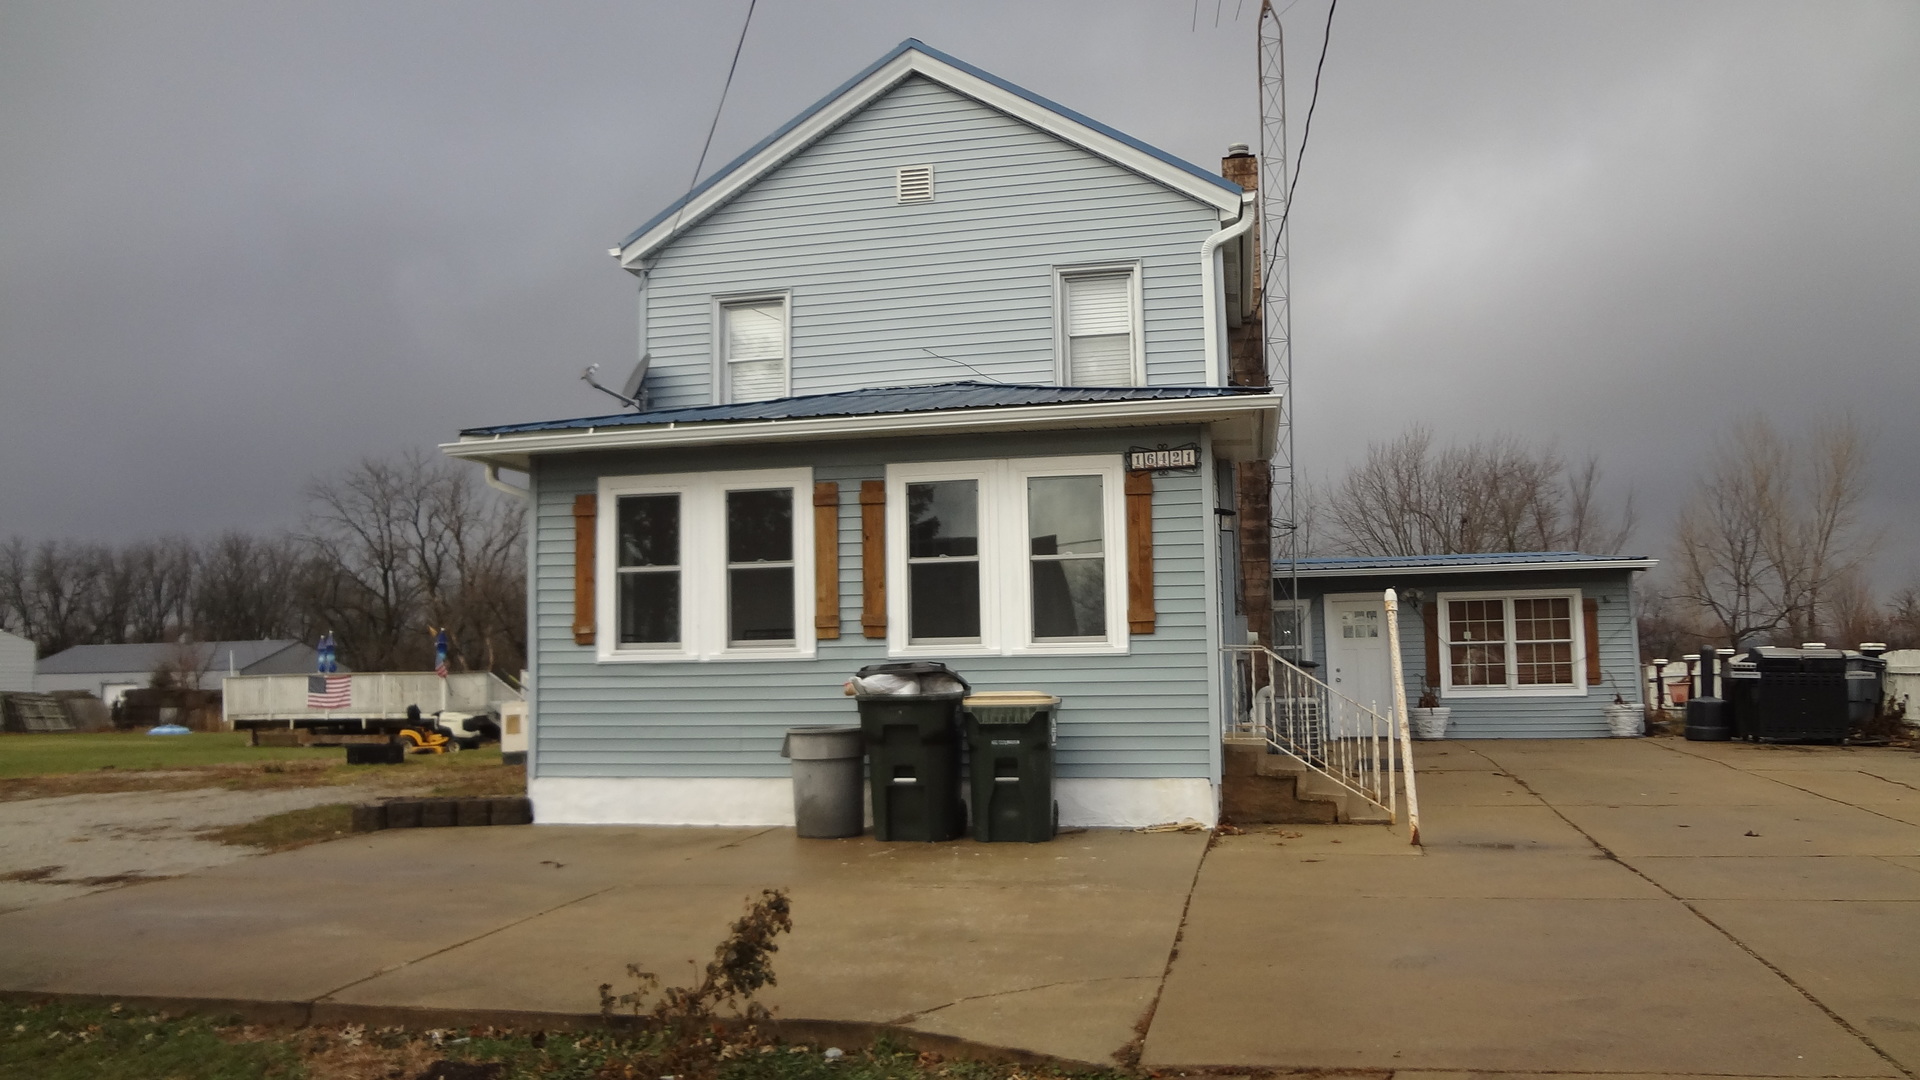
(1400,714)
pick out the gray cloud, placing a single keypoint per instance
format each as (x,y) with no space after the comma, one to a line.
(242,244)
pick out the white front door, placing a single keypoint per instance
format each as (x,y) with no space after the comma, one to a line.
(1357,653)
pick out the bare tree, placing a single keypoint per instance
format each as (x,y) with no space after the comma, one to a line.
(1410,497)
(1773,528)
(247,587)
(405,545)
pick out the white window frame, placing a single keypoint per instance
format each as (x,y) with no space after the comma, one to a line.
(1302,625)
(722,381)
(1006,622)
(703,566)
(1512,689)
(1062,359)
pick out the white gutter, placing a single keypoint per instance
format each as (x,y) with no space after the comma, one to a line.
(1213,291)
(1257,412)
(497,484)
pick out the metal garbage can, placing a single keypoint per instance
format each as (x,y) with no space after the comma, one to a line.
(913,754)
(1866,680)
(826,781)
(1010,739)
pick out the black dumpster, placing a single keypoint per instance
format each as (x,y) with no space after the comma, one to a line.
(913,754)
(1010,740)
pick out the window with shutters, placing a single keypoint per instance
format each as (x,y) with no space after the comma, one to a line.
(754,357)
(1007,557)
(1097,315)
(1528,643)
(705,566)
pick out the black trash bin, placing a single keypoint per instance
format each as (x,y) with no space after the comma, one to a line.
(913,756)
(1800,696)
(1010,740)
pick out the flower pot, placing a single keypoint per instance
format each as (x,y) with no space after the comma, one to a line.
(1625,721)
(1430,723)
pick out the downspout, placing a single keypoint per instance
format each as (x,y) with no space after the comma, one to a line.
(497,484)
(1214,320)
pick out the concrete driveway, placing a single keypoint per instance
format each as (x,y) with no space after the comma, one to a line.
(1621,907)
(1645,906)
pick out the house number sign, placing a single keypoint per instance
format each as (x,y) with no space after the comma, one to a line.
(1164,459)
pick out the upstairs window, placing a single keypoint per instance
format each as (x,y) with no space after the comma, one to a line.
(1518,643)
(1099,326)
(753,348)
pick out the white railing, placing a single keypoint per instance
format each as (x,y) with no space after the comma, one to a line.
(374,696)
(1359,748)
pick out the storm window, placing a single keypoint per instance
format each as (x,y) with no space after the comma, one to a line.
(1099,326)
(1516,643)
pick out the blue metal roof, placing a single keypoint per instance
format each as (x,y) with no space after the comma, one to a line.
(1321,566)
(914,45)
(878,401)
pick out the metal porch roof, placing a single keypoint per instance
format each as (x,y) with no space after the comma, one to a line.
(1476,563)
(876,401)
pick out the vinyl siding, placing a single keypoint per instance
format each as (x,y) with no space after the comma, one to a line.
(16,663)
(1139,715)
(1516,717)
(968,275)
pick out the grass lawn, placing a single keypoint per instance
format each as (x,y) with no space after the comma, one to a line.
(59,1041)
(55,755)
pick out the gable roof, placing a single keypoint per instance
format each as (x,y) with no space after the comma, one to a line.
(1478,563)
(89,659)
(910,58)
(1243,418)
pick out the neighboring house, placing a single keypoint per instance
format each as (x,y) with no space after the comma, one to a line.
(900,352)
(109,671)
(16,664)
(1519,645)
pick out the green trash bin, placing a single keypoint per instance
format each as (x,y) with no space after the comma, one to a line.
(1010,740)
(913,756)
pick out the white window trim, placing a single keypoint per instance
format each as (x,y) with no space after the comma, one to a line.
(703,566)
(722,385)
(1303,625)
(1006,625)
(1061,357)
(1512,689)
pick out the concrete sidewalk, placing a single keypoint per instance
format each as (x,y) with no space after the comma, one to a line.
(1645,907)
(1058,949)
(1631,906)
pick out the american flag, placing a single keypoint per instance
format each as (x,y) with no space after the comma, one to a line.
(329,691)
(440,645)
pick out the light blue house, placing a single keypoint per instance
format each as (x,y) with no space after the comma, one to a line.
(1517,645)
(937,370)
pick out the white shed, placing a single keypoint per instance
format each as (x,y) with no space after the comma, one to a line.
(16,664)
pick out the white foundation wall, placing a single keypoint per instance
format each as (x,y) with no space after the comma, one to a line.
(1084,803)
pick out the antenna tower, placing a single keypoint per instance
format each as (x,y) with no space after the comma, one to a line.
(1276,288)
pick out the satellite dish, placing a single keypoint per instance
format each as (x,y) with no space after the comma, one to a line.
(631,388)
(630,393)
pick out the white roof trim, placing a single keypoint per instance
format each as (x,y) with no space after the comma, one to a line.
(1472,568)
(909,63)
(1243,428)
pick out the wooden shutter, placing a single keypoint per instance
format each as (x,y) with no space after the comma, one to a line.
(1140,616)
(826,560)
(1430,617)
(585,510)
(1590,619)
(873,558)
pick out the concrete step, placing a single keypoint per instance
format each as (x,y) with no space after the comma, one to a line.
(1310,786)
(1251,796)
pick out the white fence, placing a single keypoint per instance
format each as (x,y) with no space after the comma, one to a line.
(374,696)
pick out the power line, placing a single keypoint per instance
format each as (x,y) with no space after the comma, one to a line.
(717,110)
(1306,131)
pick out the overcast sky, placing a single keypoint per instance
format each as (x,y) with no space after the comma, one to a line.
(242,243)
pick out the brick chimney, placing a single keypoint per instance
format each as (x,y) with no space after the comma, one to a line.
(1247,366)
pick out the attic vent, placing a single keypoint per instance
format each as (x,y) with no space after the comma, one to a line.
(913,183)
